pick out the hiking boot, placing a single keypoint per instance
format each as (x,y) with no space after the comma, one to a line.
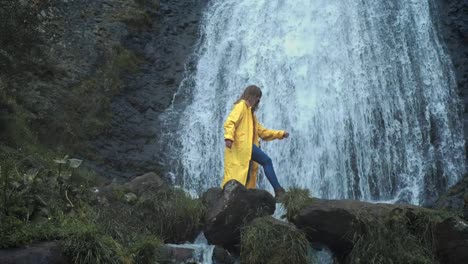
(279,194)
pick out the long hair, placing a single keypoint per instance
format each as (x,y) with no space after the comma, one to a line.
(250,93)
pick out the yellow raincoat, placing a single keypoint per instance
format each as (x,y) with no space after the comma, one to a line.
(244,130)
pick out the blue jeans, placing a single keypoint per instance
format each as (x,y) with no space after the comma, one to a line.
(261,158)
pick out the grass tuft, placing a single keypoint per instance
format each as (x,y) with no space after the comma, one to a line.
(295,200)
(90,246)
(264,241)
(402,237)
(146,250)
(182,214)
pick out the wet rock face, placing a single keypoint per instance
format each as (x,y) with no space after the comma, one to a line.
(455,199)
(235,207)
(452,22)
(131,147)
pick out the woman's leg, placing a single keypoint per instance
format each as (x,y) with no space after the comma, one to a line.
(261,158)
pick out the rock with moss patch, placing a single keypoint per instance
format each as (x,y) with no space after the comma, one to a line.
(362,231)
(236,207)
(455,198)
(149,182)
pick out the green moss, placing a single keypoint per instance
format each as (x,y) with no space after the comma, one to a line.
(295,200)
(137,16)
(262,241)
(87,106)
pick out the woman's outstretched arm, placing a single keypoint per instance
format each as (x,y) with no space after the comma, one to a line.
(270,134)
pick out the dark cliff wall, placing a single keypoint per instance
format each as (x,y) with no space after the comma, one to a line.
(61,63)
(130,148)
(451,17)
(88,78)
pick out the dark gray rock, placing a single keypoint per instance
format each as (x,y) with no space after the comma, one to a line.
(211,197)
(333,223)
(176,254)
(451,237)
(222,256)
(37,253)
(236,207)
(149,182)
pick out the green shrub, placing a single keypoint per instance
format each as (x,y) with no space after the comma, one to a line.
(263,241)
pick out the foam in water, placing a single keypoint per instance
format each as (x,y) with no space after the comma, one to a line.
(203,253)
(364,88)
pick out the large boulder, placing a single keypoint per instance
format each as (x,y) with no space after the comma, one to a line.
(335,224)
(332,223)
(229,209)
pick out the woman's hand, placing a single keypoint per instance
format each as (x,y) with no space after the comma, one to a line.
(228,143)
(286,134)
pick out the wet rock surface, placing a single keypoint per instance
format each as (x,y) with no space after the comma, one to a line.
(36,253)
(131,147)
(451,17)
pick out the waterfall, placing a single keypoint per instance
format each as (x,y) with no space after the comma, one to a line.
(365,89)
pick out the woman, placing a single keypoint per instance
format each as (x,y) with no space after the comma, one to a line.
(241,136)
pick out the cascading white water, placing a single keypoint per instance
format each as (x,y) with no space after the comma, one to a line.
(364,88)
